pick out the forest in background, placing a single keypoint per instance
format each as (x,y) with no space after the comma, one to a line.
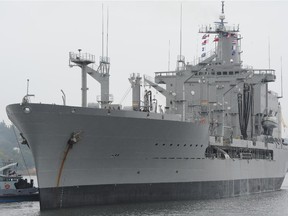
(11,148)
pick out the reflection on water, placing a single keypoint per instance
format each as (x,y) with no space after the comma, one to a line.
(264,204)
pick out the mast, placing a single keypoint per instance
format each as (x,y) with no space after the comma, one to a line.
(27,87)
(226,37)
(82,60)
(102,30)
(180,59)
(107,31)
(281,80)
(223,17)
(27,96)
(180,53)
(102,75)
(169,56)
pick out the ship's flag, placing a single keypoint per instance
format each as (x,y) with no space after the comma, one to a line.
(205,36)
(216,39)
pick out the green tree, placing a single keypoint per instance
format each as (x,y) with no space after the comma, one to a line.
(11,149)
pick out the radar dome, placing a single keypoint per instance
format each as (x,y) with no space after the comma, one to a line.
(222,16)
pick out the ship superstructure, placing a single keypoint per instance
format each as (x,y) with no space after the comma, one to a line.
(219,134)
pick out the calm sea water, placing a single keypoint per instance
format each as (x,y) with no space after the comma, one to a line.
(272,204)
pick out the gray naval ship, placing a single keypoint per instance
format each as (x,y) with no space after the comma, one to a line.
(219,134)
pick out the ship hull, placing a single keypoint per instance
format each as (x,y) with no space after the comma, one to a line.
(127,156)
(65,197)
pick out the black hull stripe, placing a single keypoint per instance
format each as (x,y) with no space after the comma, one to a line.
(65,197)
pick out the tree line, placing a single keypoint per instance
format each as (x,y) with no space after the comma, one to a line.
(12,150)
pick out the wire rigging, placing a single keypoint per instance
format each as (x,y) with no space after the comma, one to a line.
(25,164)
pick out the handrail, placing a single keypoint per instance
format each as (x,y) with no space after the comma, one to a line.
(263,71)
(82,56)
(217,28)
(197,60)
(165,74)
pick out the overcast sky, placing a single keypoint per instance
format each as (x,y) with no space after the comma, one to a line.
(37,36)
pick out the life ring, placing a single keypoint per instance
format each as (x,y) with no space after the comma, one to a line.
(7,186)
